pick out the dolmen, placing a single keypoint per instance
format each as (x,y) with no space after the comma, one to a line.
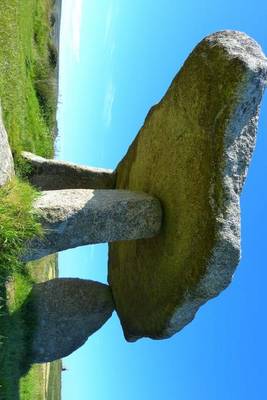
(171,209)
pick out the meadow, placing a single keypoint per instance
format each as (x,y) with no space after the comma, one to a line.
(28,95)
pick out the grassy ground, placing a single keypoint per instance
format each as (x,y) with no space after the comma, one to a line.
(28,97)
(18,379)
(17,223)
(27,75)
(54,383)
(42,382)
(13,329)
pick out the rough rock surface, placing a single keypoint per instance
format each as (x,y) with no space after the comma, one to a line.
(193,154)
(77,217)
(49,174)
(66,311)
(6,159)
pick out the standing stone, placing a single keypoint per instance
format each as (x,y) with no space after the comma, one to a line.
(48,174)
(6,159)
(77,217)
(66,311)
(193,154)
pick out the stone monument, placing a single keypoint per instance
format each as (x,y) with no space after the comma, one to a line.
(171,209)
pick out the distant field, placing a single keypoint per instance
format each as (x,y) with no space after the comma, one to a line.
(28,95)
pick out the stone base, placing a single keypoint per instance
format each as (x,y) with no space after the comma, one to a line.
(66,311)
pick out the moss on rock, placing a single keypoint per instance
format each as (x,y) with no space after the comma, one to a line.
(192,154)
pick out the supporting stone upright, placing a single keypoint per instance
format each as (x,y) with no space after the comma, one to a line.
(193,154)
(77,217)
(66,311)
(48,174)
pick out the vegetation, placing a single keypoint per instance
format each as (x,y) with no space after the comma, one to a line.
(28,92)
(42,379)
(14,332)
(18,223)
(18,379)
(54,383)
(27,75)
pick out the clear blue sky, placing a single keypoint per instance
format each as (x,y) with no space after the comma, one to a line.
(117,59)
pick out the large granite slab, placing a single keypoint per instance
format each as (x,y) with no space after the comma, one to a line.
(192,154)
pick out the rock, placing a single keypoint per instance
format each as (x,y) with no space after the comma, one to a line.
(192,154)
(54,175)
(77,217)
(67,311)
(6,159)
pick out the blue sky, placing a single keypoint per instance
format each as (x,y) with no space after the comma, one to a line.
(117,59)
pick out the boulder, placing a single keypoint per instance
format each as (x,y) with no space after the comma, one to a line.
(193,154)
(6,159)
(66,311)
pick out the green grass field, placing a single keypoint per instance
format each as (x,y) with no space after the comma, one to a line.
(28,86)
(27,75)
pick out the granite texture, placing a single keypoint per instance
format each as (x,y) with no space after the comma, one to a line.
(48,174)
(193,154)
(66,311)
(76,217)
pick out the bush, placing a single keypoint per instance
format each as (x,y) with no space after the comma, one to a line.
(53,55)
(46,94)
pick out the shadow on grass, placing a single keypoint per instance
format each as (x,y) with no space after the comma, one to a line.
(16,332)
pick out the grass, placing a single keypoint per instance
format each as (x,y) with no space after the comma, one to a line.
(18,379)
(31,386)
(27,75)
(18,223)
(42,380)
(14,331)
(35,384)
(54,384)
(28,61)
